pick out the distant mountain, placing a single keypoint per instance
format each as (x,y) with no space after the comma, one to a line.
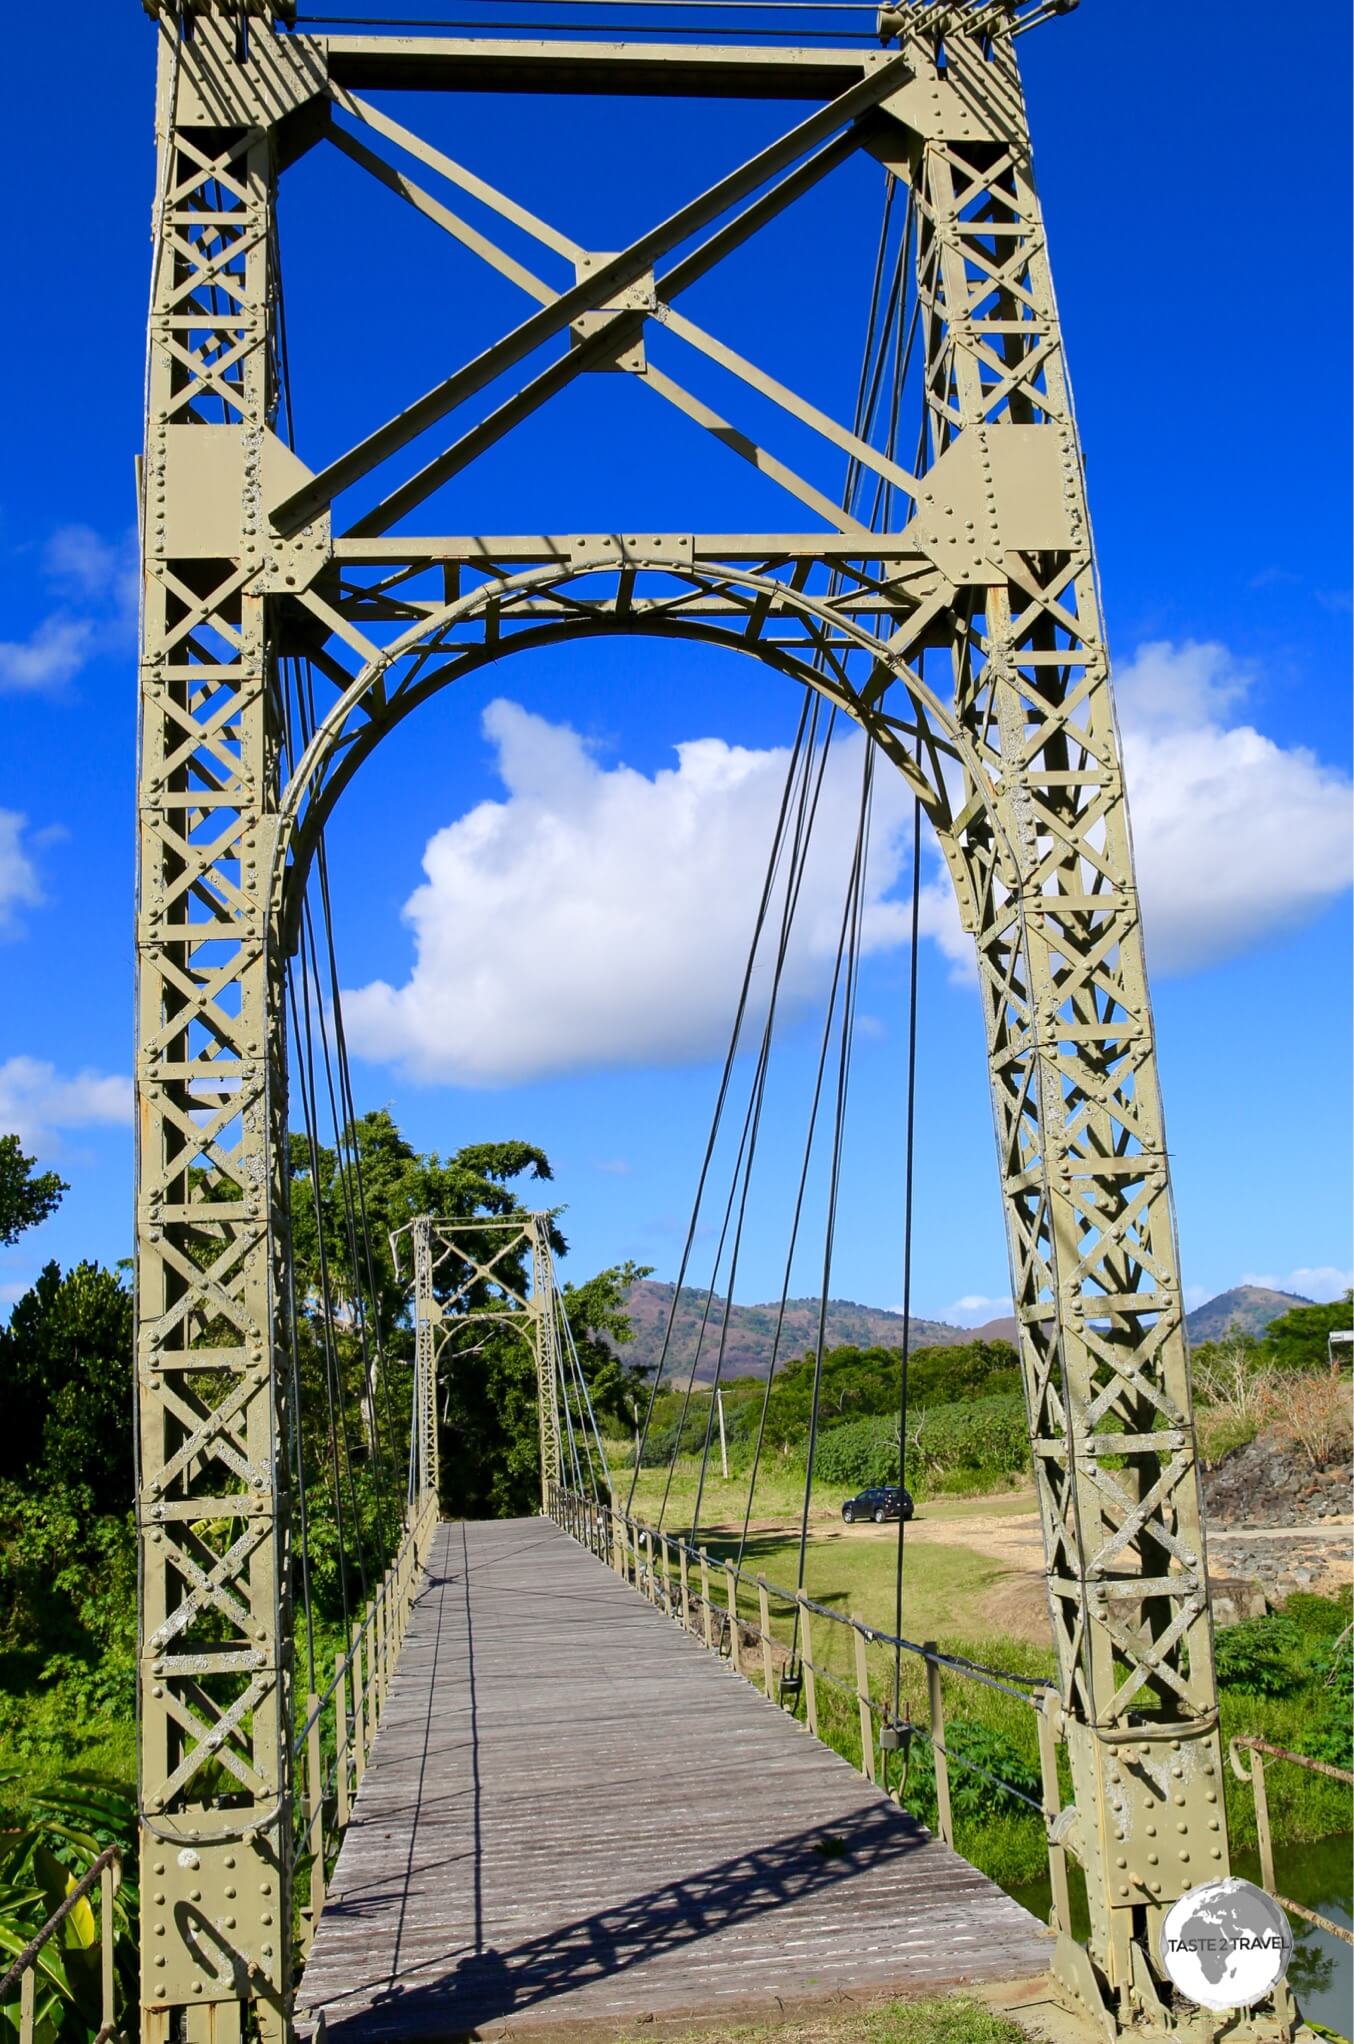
(747,1350)
(752,1329)
(1246,1309)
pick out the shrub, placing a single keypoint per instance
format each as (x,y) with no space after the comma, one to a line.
(979,1433)
(1311,1412)
(860,1452)
(1261,1656)
(971,1746)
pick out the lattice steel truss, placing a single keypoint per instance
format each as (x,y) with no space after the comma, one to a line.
(965,638)
(484,1272)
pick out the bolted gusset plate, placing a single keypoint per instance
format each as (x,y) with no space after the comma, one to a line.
(1164,1816)
(212,1926)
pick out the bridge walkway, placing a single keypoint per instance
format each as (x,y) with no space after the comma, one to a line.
(574,1813)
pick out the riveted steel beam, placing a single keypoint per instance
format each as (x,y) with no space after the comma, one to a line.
(966,639)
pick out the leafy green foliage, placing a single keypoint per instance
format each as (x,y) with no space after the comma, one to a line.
(27,1196)
(860,1383)
(981,1433)
(60,1833)
(861,1452)
(66,1362)
(69,1619)
(1297,1340)
(982,1757)
(1261,1656)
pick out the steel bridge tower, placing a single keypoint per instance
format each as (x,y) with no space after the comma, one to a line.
(473,1273)
(965,638)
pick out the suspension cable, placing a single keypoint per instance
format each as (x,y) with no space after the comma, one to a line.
(721,1098)
(748,1137)
(907,1247)
(873,359)
(581,1376)
(797,867)
(848,944)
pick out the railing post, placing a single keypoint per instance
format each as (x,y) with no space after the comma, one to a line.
(867,1766)
(806,1663)
(648,1571)
(1049,1708)
(706,1613)
(666,1546)
(28,2005)
(341,1741)
(618,1545)
(108,1880)
(382,1647)
(685,1583)
(359,1707)
(314,1813)
(731,1600)
(944,1821)
(1263,1839)
(764,1621)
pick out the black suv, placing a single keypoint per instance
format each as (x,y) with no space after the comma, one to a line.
(884,1502)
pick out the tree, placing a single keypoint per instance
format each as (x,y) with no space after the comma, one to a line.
(25,1198)
(487,1388)
(66,1362)
(396,1183)
(1297,1340)
(490,1438)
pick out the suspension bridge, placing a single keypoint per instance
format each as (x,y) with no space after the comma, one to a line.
(535,1780)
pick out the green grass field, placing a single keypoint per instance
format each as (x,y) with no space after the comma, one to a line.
(779,1495)
(941,2019)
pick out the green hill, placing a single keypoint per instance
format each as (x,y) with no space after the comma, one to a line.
(752,1329)
(1246,1309)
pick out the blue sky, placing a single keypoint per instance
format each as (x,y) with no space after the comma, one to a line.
(1205,302)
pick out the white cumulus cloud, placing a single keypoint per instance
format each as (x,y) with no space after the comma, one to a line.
(36,1101)
(1236,838)
(1322,1282)
(19,886)
(599,916)
(95,581)
(975,1309)
(52,653)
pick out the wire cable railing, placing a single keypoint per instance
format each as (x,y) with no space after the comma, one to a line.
(105,1873)
(332,1744)
(1260,1750)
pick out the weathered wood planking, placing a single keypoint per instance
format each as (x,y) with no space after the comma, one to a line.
(573,1812)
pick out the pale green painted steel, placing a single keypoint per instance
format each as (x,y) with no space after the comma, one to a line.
(1014,754)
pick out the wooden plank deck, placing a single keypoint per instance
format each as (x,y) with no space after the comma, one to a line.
(574,1813)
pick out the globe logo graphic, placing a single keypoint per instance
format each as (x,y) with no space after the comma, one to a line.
(1226,1944)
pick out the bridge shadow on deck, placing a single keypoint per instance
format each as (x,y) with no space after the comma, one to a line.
(487,1985)
(548,1739)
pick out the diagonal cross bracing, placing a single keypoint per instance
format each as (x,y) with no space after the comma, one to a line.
(965,636)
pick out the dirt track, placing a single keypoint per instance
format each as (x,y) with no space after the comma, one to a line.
(1005,1530)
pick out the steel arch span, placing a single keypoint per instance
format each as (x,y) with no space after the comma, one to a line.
(957,621)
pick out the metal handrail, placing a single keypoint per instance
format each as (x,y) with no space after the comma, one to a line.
(356,1695)
(107,1871)
(1259,1749)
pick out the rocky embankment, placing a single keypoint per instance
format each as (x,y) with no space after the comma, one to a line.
(1275,1525)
